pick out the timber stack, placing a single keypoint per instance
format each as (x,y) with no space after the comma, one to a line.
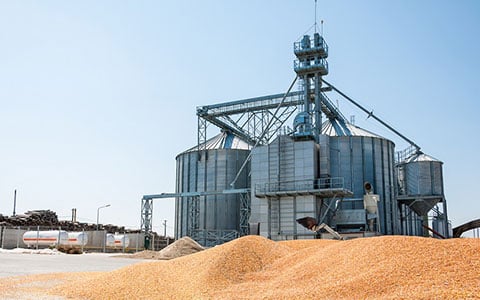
(48,218)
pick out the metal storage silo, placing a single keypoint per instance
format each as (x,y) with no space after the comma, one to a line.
(420,180)
(359,156)
(423,176)
(215,218)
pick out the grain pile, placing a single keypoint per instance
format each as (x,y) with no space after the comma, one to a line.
(252,267)
(181,247)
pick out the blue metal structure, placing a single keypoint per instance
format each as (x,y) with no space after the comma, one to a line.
(310,66)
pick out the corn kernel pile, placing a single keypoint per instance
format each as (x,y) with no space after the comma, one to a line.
(252,267)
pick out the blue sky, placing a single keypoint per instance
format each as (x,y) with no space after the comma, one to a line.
(98,97)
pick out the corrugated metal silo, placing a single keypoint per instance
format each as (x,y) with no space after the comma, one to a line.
(420,180)
(210,219)
(423,176)
(360,156)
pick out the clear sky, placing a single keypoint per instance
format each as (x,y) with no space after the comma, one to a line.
(98,97)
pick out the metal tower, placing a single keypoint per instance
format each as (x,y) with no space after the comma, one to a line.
(310,66)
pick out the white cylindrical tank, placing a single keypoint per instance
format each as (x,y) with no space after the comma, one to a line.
(119,240)
(110,238)
(45,238)
(77,238)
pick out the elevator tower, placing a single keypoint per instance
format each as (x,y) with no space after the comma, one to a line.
(310,65)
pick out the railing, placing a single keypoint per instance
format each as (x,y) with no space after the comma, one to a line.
(310,65)
(251,105)
(311,45)
(300,185)
(402,155)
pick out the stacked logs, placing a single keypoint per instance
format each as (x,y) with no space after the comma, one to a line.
(30,218)
(48,218)
(78,226)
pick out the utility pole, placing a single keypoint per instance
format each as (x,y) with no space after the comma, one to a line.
(165,228)
(14,202)
(98,212)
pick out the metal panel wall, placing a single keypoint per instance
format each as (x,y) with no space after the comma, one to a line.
(262,165)
(214,171)
(359,159)
(424,178)
(286,156)
(324,156)
(180,205)
(437,178)
(283,160)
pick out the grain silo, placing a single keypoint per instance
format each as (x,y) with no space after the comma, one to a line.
(359,156)
(212,218)
(420,181)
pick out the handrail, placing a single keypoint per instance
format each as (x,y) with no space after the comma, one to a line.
(300,185)
(302,65)
(298,46)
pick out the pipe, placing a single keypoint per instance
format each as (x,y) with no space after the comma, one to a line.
(370,114)
(433,231)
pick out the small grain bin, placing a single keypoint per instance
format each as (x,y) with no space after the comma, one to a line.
(422,176)
(420,185)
